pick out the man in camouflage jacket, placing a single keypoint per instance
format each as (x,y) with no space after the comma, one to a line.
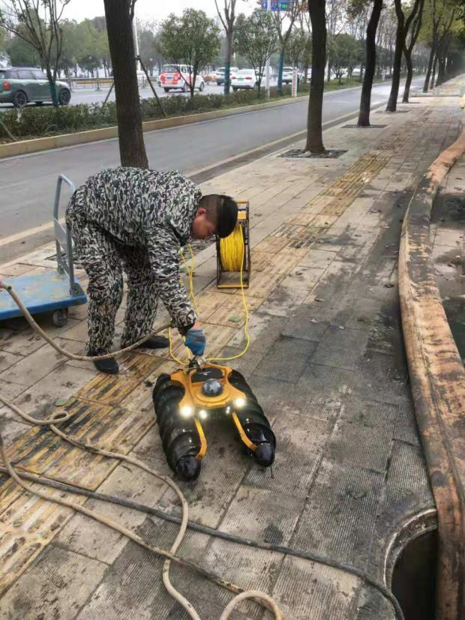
(136,220)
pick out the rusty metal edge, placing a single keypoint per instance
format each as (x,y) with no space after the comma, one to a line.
(437,379)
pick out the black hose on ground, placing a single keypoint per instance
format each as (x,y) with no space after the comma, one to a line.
(209,531)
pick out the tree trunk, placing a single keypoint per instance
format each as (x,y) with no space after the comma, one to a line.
(317,10)
(441,70)
(52,86)
(433,72)
(280,72)
(430,68)
(128,110)
(400,42)
(192,81)
(408,81)
(227,64)
(365,101)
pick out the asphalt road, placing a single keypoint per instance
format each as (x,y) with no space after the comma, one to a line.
(28,182)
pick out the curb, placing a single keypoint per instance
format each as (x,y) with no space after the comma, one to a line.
(36,145)
(437,377)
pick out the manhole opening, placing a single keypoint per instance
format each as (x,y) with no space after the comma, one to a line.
(414,577)
(302,154)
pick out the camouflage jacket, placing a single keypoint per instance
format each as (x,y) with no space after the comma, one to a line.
(152,210)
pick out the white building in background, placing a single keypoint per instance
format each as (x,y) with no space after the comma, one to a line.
(4,60)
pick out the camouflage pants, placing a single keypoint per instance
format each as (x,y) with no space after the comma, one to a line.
(104,260)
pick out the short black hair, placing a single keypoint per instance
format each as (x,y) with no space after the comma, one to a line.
(222,211)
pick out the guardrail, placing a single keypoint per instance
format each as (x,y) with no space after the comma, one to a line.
(103,83)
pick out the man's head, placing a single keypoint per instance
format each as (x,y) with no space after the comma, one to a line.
(216,215)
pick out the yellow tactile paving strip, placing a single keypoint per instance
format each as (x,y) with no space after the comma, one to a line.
(115,412)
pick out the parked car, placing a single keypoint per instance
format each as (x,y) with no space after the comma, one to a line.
(22,85)
(288,73)
(175,77)
(220,74)
(210,76)
(245,78)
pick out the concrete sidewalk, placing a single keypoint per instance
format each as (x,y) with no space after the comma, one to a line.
(326,363)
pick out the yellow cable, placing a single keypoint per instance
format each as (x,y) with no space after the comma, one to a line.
(232,252)
(246,323)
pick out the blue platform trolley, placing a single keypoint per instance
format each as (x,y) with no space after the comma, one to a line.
(52,292)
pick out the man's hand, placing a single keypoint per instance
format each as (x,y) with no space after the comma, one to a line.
(195,340)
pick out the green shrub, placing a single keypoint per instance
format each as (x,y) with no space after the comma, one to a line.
(45,121)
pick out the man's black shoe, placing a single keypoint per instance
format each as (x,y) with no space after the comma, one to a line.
(109,366)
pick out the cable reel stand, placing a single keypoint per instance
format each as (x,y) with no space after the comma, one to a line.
(233,253)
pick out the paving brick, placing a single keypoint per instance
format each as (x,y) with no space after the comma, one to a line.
(7,360)
(56,586)
(347,438)
(265,515)
(11,429)
(286,359)
(245,364)
(339,519)
(406,428)
(305,323)
(318,259)
(347,338)
(60,385)
(380,375)
(140,399)
(300,443)
(23,342)
(307,590)
(282,301)
(133,586)
(336,357)
(407,493)
(113,389)
(36,366)
(303,278)
(407,482)
(370,413)
(94,540)
(263,329)
(255,568)
(322,389)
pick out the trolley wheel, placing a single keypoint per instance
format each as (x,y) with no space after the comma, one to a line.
(60,317)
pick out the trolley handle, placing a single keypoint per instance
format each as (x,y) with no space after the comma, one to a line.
(62,178)
(63,237)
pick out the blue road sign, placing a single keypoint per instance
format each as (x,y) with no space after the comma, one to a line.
(278,5)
